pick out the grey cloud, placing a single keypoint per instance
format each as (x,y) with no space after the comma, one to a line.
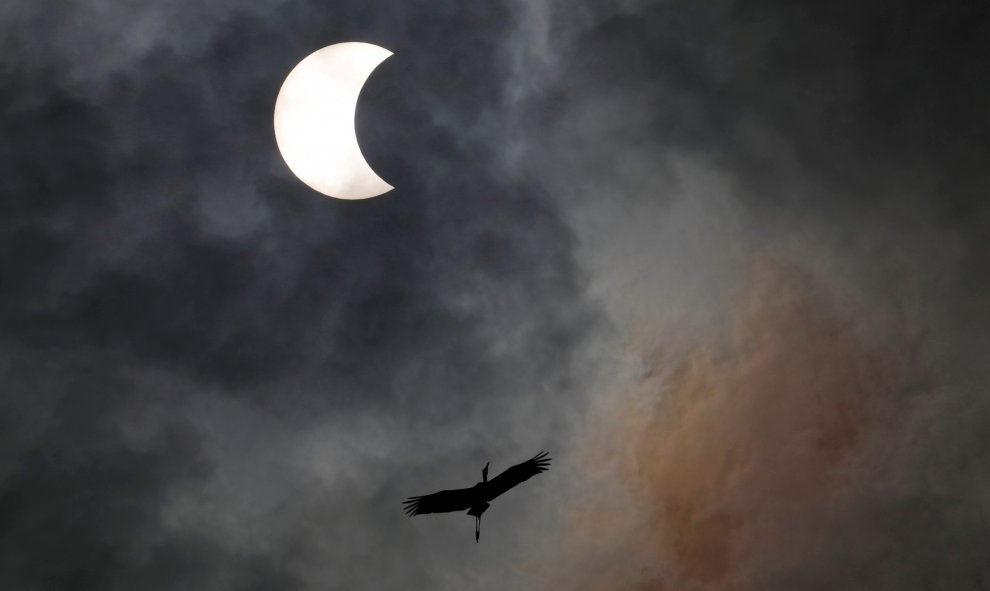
(687,141)
(268,373)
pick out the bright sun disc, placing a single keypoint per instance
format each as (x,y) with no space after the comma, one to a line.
(314,120)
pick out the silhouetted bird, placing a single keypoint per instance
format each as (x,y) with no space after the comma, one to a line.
(475,499)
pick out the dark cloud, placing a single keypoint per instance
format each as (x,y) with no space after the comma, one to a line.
(214,378)
(845,141)
(218,379)
(82,503)
(198,252)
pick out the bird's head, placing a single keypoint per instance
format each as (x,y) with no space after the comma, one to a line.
(484,472)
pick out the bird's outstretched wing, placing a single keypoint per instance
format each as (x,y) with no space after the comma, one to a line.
(459,499)
(516,474)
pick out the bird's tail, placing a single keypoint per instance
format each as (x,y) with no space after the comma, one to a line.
(477,528)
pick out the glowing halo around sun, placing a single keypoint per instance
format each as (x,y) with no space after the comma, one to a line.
(314,120)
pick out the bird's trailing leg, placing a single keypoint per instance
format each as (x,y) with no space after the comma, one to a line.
(476,511)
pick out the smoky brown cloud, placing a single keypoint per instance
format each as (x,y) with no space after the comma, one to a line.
(745,458)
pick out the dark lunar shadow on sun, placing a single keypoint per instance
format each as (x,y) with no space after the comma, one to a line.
(413,117)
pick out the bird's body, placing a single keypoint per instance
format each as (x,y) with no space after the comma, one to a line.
(476,499)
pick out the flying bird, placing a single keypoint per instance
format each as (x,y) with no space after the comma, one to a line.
(476,499)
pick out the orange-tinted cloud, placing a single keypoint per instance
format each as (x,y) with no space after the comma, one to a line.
(735,458)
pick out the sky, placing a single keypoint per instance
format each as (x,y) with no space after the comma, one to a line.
(725,261)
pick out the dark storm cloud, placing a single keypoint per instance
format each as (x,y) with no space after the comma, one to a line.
(214,377)
(846,139)
(86,481)
(857,131)
(184,240)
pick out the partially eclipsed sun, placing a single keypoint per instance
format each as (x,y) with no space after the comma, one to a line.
(314,120)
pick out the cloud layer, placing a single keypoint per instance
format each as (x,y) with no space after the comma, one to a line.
(791,451)
(779,207)
(724,261)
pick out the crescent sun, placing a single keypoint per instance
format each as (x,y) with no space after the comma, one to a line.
(314,120)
